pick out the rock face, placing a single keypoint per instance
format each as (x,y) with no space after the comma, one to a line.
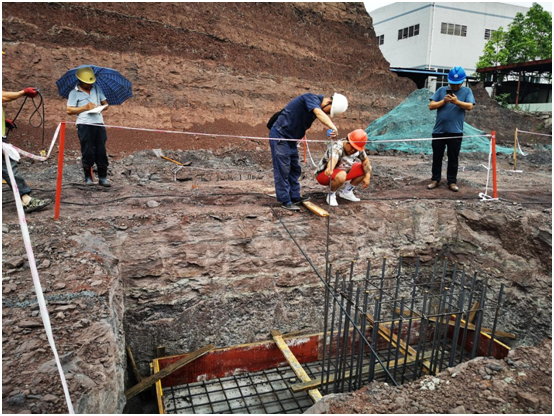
(206,67)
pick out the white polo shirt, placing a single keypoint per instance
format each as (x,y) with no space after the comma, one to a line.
(79,98)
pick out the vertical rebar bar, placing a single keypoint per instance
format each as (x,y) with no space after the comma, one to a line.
(455,335)
(496,314)
(353,348)
(448,312)
(422,338)
(391,335)
(399,337)
(346,337)
(361,347)
(325,319)
(479,320)
(466,317)
(331,335)
(374,338)
(412,304)
(339,333)
(437,336)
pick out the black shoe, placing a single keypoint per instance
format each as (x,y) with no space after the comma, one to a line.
(290,206)
(298,201)
(88,176)
(103,176)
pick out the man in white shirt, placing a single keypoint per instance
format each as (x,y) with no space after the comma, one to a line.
(90,126)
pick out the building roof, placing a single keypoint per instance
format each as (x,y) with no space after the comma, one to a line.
(544,65)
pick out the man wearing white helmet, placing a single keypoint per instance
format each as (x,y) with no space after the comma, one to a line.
(292,123)
(90,126)
(451,104)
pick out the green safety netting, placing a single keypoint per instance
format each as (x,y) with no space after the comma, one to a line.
(413,120)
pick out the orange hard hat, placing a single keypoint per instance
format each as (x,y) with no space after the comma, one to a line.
(358,139)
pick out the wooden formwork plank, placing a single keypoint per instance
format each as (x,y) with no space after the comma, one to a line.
(451,322)
(389,336)
(150,381)
(365,371)
(314,394)
(473,311)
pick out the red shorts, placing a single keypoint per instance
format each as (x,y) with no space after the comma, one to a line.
(356,171)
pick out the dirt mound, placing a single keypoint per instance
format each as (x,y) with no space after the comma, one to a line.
(522,383)
(488,115)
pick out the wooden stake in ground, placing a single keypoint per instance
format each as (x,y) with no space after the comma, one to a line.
(150,381)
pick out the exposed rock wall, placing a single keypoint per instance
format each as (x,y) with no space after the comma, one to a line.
(215,67)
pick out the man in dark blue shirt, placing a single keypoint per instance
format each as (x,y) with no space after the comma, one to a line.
(292,123)
(451,104)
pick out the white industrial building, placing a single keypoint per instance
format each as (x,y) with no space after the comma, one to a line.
(438,35)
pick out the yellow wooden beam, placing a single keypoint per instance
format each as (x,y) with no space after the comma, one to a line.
(314,394)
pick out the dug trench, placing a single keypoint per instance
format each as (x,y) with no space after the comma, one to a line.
(198,257)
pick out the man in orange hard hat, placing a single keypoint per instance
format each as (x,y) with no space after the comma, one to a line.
(338,166)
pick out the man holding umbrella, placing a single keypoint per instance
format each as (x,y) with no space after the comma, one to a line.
(90,126)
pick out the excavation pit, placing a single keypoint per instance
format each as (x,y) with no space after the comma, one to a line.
(414,325)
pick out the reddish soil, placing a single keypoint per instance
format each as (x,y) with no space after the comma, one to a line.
(198,257)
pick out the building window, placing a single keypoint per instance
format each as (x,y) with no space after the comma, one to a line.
(454,29)
(408,32)
(488,33)
(442,81)
(381,39)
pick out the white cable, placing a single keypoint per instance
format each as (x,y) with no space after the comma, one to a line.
(34,272)
(310,153)
(538,134)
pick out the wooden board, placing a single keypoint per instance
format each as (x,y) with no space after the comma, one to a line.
(315,209)
(150,381)
(314,394)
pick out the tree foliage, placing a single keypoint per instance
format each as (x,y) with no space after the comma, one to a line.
(528,38)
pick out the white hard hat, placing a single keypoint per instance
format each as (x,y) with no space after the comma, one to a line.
(340,104)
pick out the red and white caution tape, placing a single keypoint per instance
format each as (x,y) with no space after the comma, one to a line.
(263,138)
(11,153)
(36,157)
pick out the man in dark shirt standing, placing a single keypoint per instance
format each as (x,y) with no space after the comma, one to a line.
(292,123)
(451,104)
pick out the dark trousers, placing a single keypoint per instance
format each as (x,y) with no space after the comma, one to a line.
(93,145)
(454,145)
(19,181)
(286,168)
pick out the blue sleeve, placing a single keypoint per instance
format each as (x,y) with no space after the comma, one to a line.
(312,101)
(438,95)
(470,98)
(72,99)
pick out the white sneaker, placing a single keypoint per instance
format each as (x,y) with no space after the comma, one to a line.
(349,196)
(332,200)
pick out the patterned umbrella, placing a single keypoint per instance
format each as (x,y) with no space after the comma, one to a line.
(115,86)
